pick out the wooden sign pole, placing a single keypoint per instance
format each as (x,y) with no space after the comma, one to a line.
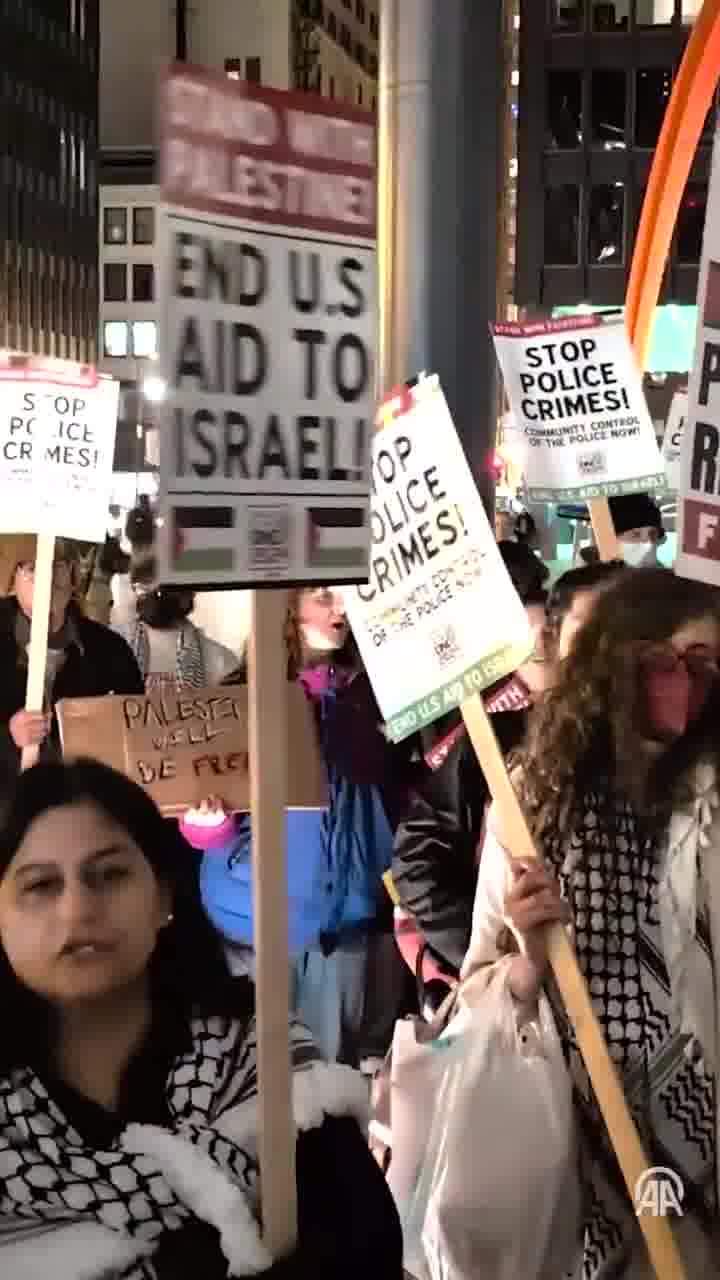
(39,626)
(268,725)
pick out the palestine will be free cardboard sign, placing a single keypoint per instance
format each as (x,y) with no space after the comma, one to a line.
(439,618)
(268,336)
(581,420)
(699,492)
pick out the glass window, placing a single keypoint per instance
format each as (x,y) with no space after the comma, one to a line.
(567,15)
(114,225)
(144,338)
(144,225)
(689,10)
(252,70)
(652,91)
(143,282)
(115,338)
(562,221)
(115,282)
(608,99)
(606,223)
(611,15)
(654,13)
(564,109)
(233,68)
(690,223)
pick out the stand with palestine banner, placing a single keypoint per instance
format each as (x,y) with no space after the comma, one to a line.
(57,443)
(267,340)
(437,623)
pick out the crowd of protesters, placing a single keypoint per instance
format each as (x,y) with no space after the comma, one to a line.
(127,1089)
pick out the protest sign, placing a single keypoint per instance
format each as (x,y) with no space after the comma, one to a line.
(673,437)
(183,747)
(57,444)
(699,495)
(268,303)
(439,618)
(580,412)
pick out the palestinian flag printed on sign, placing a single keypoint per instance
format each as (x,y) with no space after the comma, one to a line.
(336,537)
(204,540)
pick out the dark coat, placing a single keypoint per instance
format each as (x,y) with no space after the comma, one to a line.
(100,663)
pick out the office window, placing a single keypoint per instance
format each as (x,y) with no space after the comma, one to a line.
(654,13)
(611,15)
(115,282)
(144,225)
(143,282)
(606,224)
(608,101)
(253,70)
(652,91)
(690,223)
(567,15)
(144,338)
(564,110)
(562,223)
(114,219)
(689,10)
(115,338)
(233,68)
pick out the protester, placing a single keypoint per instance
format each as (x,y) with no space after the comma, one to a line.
(435,864)
(84,659)
(639,527)
(573,598)
(618,780)
(169,649)
(349,981)
(128,1086)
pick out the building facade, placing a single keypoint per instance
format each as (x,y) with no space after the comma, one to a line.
(595,79)
(49,57)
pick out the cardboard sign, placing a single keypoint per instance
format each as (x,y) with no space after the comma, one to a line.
(183,747)
(268,333)
(576,393)
(673,438)
(699,494)
(57,443)
(439,618)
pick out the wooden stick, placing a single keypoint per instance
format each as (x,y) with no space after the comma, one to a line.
(659,1238)
(267,675)
(39,626)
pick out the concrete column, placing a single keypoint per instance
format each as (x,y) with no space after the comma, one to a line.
(442,71)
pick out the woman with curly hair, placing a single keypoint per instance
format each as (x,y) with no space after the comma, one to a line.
(618,780)
(348,978)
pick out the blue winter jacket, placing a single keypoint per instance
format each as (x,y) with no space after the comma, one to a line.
(336,856)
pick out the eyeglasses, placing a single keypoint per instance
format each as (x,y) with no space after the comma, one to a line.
(61,570)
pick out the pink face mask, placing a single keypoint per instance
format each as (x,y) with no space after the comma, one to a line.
(676,688)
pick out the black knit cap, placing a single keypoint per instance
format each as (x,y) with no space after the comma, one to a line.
(635,511)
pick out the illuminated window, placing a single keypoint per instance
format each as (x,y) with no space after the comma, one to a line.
(115,338)
(144,225)
(144,338)
(115,226)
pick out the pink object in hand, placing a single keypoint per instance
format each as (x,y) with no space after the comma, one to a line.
(204,835)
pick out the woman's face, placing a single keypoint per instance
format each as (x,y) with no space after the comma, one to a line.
(62,587)
(80,907)
(676,678)
(321,618)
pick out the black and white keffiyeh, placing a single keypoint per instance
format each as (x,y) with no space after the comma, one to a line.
(642,939)
(106,1210)
(189,659)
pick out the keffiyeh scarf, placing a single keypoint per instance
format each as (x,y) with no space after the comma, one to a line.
(189,661)
(107,1209)
(643,945)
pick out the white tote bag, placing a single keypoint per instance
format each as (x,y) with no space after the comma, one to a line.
(484,1162)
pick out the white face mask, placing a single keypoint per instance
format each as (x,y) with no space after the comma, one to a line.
(317,641)
(637,554)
